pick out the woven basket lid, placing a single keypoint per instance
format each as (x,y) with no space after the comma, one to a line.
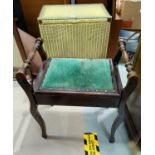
(72,12)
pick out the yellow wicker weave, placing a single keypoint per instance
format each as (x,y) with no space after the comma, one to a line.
(79,31)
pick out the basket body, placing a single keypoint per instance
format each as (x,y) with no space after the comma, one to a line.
(75,31)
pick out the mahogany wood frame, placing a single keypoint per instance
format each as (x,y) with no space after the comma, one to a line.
(115,99)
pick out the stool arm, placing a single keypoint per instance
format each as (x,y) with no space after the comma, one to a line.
(132,80)
(25,69)
(38,47)
(122,53)
(131,84)
(132,76)
(127,90)
(21,77)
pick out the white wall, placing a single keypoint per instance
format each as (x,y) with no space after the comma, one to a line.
(17,60)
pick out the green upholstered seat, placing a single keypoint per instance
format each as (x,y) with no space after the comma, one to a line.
(78,74)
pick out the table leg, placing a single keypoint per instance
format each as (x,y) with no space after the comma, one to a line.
(36,115)
(119,119)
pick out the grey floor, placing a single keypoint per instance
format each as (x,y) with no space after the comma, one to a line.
(65,127)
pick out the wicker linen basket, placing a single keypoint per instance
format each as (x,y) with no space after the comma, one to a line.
(77,31)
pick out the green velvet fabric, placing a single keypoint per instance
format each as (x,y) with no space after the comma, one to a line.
(78,74)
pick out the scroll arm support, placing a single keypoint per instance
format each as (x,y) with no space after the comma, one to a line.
(21,78)
(28,88)
(125,92)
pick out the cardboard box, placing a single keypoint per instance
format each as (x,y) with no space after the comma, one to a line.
(130,11)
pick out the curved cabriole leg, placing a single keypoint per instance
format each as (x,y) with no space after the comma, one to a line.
(119,119)
(36,115)
(131,85)
(21,78)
